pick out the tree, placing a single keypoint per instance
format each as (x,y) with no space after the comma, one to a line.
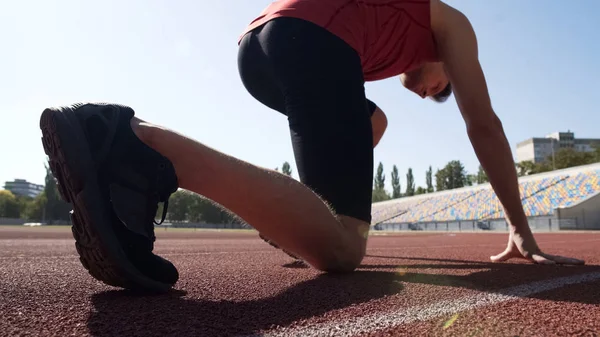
(395,183)
(380,195)
(55,208)
(440,180)
(562,159)
(379,192)
(481,177)
(567,157)
(380,178)
(9,205)
(525,168)
(187,206)
(286,169)
(180,204)
(429,180)
(452,176)
(458,174)
(420,190)
(410,183)
(34,210)
(596,153)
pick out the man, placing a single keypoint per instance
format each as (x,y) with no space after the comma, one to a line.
(308,60)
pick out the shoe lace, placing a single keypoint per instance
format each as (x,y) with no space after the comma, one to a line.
(164,197)
(164,213)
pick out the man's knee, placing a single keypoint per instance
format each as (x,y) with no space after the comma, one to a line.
(348,254)
(343,263)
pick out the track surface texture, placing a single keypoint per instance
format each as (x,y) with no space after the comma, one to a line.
(234,284)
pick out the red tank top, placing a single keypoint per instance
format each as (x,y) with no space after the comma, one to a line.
(391,36)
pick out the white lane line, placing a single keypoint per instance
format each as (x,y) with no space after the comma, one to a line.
(381,321)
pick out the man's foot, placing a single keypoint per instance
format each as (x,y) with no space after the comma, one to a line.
(114,183)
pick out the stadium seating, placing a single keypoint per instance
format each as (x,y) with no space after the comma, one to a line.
(539,196)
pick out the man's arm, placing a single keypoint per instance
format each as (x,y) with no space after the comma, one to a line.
(457,45)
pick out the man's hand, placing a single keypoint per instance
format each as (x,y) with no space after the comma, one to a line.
(523,246)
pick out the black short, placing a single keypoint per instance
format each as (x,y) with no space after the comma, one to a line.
(316,80)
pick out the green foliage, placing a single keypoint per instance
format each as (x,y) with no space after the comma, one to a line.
(286,169)
(481,177)
(477,179)
(562,159)
(380,195)
(184,206)
(187,206)
(452,176)
(9,205)
(379,192)
(34,209)
(47,206)
(55,208)
(429,180)
(410,183)
(380,178)
(395,183)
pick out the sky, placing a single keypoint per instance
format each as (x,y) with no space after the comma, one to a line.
(175,63)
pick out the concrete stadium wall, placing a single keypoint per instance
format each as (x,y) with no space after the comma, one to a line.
(11,221)
(537,224)
(586,213)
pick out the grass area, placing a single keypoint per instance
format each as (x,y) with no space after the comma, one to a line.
(156,228)
(21,227)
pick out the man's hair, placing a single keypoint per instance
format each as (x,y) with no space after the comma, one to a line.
(443,95)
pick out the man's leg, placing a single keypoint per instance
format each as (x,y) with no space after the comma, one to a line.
(315,79)
(281,208)
(115,168)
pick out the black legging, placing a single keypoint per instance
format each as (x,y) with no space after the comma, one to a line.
(316,80)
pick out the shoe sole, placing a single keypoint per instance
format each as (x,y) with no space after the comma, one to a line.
(71,164)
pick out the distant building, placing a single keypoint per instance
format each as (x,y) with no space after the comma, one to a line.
(23,188)
(539,149)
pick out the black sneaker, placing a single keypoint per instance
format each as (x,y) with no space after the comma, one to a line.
(115,183)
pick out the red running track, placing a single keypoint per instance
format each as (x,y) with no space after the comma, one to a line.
(234,284)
